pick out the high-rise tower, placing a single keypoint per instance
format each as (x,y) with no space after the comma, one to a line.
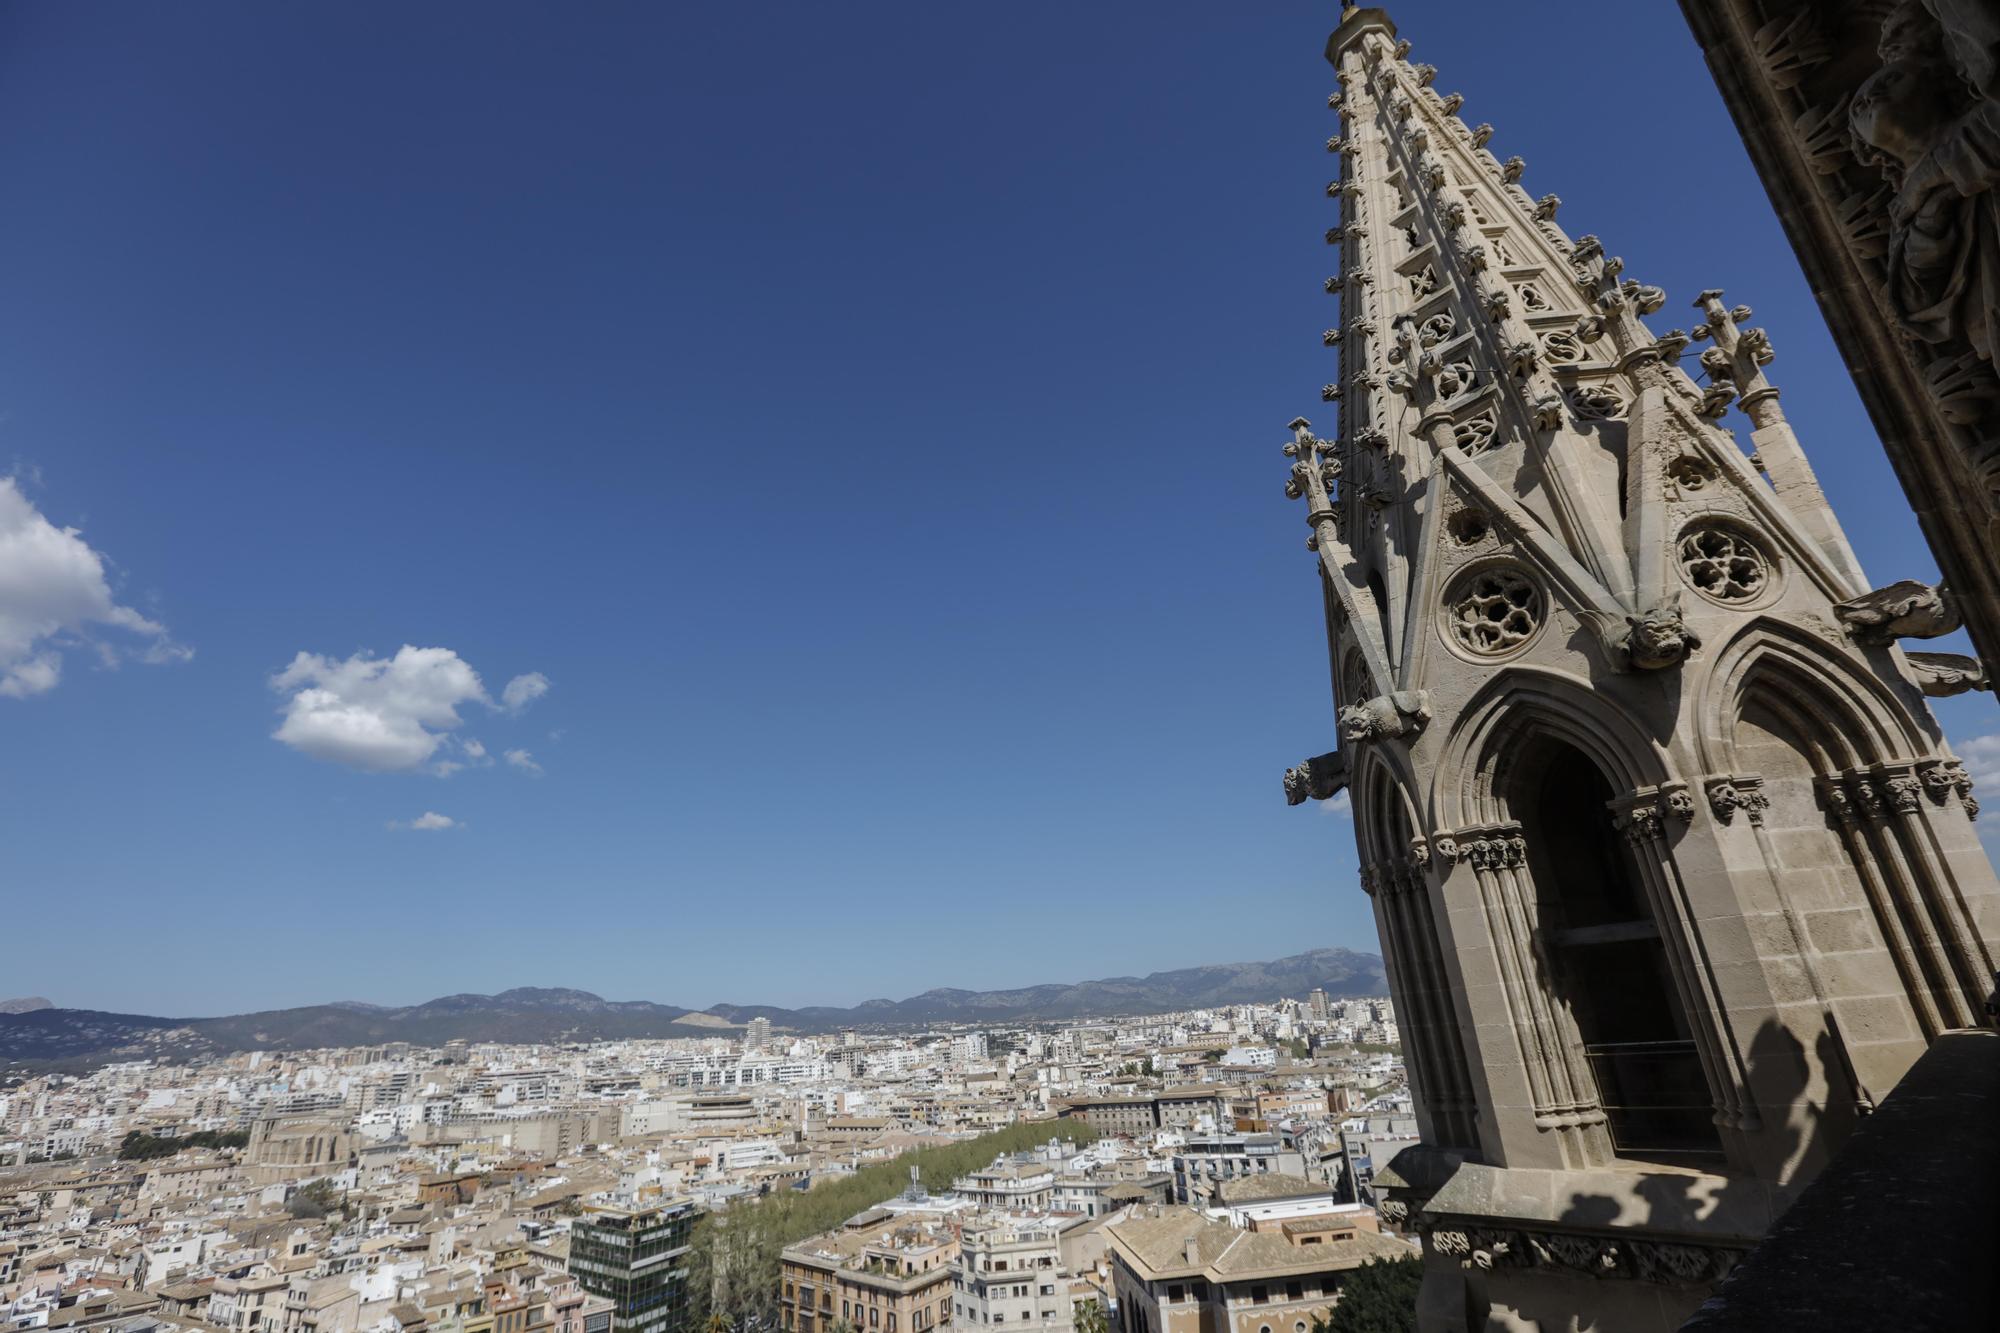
(1674,873)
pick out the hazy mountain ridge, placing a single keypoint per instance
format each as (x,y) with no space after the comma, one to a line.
(530,1014)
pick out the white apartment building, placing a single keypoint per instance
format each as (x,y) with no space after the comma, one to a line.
(1009,1274)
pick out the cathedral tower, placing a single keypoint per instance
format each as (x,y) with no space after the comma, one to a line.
(1674,873)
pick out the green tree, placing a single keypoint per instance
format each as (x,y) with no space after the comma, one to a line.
(1378,1297)
(734,1262)
(1090,1317)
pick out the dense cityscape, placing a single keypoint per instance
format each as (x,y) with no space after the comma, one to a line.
(879,1180)
(1659,774)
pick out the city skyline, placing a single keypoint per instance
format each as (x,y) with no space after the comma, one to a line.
(432,436)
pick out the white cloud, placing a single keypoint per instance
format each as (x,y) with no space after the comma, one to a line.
(430,821)
(1981,757)
(1338,804)
(381,714)
(53,594)
(522,759)
(523,690)
(385,714)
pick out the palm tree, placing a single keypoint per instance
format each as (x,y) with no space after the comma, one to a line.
(1090,1317)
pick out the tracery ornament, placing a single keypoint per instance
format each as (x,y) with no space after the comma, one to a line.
(1532,299)
(1561,347)
(1724,564)
(1688,473)
(1436,329)
(1628,1257)
(1468,527)
(1596,402)
(1455,379)
(1494,611)
(1474,433)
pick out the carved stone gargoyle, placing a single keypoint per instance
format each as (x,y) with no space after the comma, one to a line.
(1906,609)
(1658,639)
(1320,778)
(1385,717)
(1941,675)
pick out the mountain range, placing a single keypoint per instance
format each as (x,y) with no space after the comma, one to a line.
(57,1037)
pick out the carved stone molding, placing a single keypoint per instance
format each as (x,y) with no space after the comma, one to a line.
(1876,127)
(1591,1254)
(1647,813)
(1483,846)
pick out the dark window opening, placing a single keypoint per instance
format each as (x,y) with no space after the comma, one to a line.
(1611,966)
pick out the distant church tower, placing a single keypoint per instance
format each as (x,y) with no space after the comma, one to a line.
(1674,873)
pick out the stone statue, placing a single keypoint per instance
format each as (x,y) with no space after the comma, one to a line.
(1658,639)
(1906,609)
(1319,778)
(1930,117)
(1941,675)
(1385,717)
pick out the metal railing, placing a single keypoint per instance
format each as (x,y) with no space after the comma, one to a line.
(1655,1097)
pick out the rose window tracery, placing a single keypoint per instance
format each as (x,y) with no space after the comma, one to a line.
(1494,611)
(1723,564)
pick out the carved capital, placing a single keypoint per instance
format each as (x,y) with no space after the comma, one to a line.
(1726,796)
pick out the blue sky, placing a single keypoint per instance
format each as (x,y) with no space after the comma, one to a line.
(851,431)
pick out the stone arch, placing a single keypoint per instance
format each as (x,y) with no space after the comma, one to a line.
(1524,700)
(1831,769)
(1852,717)
(1489,804)
(1396,872)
